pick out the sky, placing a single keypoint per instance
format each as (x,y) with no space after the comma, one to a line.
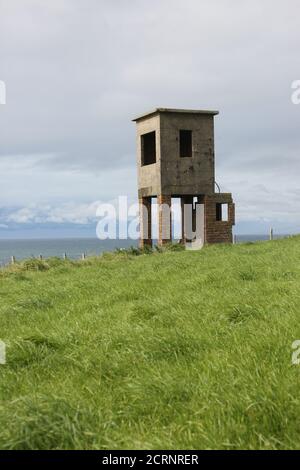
(77,71)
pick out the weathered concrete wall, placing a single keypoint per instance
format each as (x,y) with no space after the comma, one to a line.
(189,175)
(149,176)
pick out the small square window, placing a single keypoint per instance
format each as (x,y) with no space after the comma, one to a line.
(148,147)
(222,212)
(185,144)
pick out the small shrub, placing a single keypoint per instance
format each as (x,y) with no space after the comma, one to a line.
(175,247)
(170,247)
(240,314)
(56,262)
(133,250)
(34,265)
(147,250)
(247,275)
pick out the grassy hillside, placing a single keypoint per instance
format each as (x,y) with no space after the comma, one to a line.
(168,350)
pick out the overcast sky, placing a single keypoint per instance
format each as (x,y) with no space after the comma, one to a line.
(78,71)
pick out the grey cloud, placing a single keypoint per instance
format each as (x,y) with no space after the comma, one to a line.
(77,72)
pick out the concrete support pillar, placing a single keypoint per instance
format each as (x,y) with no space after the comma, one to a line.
(183,231)
(145,222)
(194,214)
(186,218)
(164,219)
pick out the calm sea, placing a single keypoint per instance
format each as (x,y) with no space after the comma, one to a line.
(73,247)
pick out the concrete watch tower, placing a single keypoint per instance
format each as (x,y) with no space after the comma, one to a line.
(175,158)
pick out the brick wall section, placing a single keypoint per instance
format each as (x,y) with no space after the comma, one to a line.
(164,219)
(231,213)
(145,222)
(217,231)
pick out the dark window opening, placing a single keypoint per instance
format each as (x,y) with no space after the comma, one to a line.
(185,143)
(148,146)
(221,212)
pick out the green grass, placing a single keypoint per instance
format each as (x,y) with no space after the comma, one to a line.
(168,350)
